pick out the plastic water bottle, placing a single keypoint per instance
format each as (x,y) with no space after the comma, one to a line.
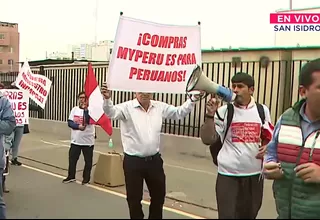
(110,143)
(145,188)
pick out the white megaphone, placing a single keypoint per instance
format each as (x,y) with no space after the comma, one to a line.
(198,81)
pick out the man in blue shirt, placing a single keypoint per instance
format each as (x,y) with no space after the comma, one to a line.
(7,125)
(293,155)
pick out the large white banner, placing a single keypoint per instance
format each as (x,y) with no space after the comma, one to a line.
(20,104)
(37,86)
(151,57)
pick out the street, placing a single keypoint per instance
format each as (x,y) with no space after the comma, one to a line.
(35,194)
(190,179)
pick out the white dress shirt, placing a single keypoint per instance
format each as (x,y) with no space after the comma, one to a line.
(140,129)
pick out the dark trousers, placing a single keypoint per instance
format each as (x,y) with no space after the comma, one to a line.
(5,172)
(150,169)
(239,197)
(74,154)
(3,183)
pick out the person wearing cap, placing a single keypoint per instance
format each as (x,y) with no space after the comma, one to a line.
(293,155)
(239,187)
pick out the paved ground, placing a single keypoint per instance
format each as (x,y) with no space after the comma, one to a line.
(190,179)
(38,195)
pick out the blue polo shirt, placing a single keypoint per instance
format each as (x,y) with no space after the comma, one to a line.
(307,128)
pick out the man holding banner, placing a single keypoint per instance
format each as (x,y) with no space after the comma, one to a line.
(148,58)
(141,122)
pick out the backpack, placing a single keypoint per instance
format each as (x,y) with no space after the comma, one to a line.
(217,145)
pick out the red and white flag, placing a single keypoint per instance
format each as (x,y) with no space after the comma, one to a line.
(267,132)
(95,102)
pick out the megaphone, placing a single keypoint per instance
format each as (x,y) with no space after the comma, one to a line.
(198,81)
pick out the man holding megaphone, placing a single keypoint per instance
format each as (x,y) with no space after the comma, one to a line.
(234,133)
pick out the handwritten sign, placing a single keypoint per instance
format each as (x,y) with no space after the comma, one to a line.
(151,57)
(20,104)
(37,86)
(245,132)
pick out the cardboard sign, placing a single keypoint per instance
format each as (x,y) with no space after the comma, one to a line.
(35,85)
(20,104)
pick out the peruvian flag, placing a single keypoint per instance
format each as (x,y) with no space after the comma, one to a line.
(266,132)
(95,103)
(266,136)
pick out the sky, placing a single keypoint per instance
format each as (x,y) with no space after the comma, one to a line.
(50,26)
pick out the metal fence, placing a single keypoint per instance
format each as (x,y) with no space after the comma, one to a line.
(276,86)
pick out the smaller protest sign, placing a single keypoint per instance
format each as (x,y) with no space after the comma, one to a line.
(37,86)
(20,104)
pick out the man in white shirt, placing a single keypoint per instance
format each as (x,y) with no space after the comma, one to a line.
(141,123)
(239,188)
(82,139)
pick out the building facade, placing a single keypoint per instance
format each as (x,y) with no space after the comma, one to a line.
(100,51)
(298,38)
(82,51)
(59,56)
(9,47)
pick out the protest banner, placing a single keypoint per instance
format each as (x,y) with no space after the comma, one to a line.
(37,86)
(151,57)
(20,104)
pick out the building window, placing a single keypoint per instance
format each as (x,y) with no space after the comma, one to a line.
(1,36)
(0,61)
(11,49)
(110,51)
(10,62)
(1,49)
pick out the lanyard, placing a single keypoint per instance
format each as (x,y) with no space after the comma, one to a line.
(313,145)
